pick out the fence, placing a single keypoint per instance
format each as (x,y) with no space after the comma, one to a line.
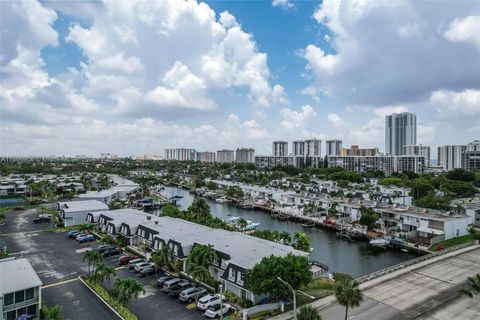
(261,308)
(408,263)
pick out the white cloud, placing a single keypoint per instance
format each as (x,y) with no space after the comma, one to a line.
(465,102)
(335,119)
(284,4)
(119,63)
(464,30)
(297,119)
(319,61)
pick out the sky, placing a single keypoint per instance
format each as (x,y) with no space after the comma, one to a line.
(136,77)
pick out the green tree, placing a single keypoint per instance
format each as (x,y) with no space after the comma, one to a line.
(124,290)
(103,272)
(211,185)
(93,258)
(368,216)
(473,286)
(242,223)
(51,313)
(199,209)
(202,255)
(170,211)
(348,294)
(461,175)
(108,239)
(263,277)
(434,201)
(301,241)
(162,257)
(286,237)
(121,241)
(199,273)
(308,313)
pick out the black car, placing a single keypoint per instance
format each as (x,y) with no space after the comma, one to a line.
(176,289)
(37,220)
(111,252)
(164,279)
(103,248)
(146,272)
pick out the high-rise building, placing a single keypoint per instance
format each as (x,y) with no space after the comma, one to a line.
(450,157)
(245,155)
(334,147)
(387,164)
(280,148)
(419,150)
(474,146)
(180,154)
(400,131)
(307,153)
(471,157)
(356,151)
(225,156)
(206,156)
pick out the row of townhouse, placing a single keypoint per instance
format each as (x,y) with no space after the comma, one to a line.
(121,189)
(236,252)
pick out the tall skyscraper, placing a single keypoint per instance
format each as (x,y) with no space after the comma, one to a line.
(450,157)
(225,156)
(420,150)
(334,147)
(280,148)
(400,131)
(245,155)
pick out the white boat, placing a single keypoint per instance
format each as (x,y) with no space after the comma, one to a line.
(251,226)
(379,242)
(222,200)
(232,220)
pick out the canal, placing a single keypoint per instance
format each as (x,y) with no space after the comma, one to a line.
(355,258)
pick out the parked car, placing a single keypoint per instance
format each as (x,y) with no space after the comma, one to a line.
(190,294)
(176,289)
(104,247)
(72,233)
(147,271)
(132,263)
(163,279)
(37,220)
(123,260)
(170,283)
(216,310)
(86,239)
(111,252)
(209,300)
(80,235)
(19,208)
(140,266)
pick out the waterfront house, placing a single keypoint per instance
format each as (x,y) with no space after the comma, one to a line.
(20,289)
(75,212)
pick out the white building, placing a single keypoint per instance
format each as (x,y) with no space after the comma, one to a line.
(225,156)
(206,156)
(333,147)
(20,289)
(180,154)
(474,146)
(272,161)
(280,148)
(307,153)
(245,155)
(419,150)
(450,157)
(387,164)
(400,131)
(75,212)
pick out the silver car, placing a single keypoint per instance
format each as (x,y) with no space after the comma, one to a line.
(190,294)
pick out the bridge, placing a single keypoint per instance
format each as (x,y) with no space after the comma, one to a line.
(424,289)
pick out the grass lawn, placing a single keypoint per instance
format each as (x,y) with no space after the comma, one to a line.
(319,288)
(451,242)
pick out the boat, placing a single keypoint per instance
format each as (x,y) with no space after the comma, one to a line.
(251,226)
(282,216)
(232,220)
(308,225)
(379,242)
(177,197)
(222,200)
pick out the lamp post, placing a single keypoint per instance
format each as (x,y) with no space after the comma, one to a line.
(220,286)
(294,293)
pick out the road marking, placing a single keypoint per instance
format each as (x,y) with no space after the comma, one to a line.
(59,283)
(82,250)
(191,306)
(119,268)
(28,232)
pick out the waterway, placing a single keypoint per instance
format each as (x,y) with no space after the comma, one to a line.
(355,258)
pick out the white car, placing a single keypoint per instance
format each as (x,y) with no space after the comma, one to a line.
(188,295)
(215,311)
(140,266)
(209,300)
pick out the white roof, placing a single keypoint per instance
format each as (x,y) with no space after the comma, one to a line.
(82,205)
(430,230)
(17,274)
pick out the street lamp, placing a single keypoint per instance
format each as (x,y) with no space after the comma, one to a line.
(294,293)
(220,286)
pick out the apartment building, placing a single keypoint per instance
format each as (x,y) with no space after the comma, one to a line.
(387,164)
(208,157)
(75,212)
(334,147)
(245,155)
(355,150)
(400,131)
(272,161)
(225,156)
(419,150)
(280,148)
(450,157)
(180,154)
(20,289)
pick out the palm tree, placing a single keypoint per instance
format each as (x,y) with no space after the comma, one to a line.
(158,258)
(108,239)
(122,241)
(93,258)
(53,313)
(199,273)
(103,272)
(348,294)
(126,289)
(473,288)
(242,223)
(286,237)
(308,313)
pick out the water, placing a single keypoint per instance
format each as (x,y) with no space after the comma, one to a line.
(355,258)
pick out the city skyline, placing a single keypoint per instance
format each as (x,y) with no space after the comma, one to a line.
(89,77)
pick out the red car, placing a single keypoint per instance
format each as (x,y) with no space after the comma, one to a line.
(123,260)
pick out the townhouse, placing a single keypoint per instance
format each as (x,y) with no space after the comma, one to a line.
(236,252)
(75,212)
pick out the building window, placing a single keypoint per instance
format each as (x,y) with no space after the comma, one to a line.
(29,294)
(244,294)
(32,309)
(19,296)
(11,315)
(8,299)
(242,277)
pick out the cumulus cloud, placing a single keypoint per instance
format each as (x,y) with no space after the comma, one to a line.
(284,4)
(394,52)
(297,119)
(464,30)
(465,102)
(335,119)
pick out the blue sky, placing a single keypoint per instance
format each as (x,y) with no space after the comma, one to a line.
(137,77)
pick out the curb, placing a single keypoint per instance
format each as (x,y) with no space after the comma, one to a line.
(101,299)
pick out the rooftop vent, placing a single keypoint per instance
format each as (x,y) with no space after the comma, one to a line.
(149,218)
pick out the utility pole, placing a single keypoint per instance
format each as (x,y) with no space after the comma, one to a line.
(294,293)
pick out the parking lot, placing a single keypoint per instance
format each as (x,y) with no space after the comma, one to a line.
(58,262)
